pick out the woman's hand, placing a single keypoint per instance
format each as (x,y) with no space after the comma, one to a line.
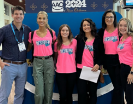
(130,79)
(95,68)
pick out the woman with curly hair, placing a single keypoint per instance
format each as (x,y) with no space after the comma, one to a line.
(88,54)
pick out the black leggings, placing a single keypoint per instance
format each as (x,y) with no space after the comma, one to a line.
(118,93)
(83,87)
(128,88)
(65,83)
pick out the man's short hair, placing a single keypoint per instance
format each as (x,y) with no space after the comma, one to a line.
(17,8)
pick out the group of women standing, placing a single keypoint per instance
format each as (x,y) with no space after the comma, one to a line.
(111,47)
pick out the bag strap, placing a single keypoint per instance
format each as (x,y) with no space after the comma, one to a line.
(50,32)
(32,33)
(88,48)
(132,41)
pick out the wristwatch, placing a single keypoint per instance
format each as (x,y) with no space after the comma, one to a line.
(131,72)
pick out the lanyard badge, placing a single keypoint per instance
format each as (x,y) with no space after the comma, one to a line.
(21,45)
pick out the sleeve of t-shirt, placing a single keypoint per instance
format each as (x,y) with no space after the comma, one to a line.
(131,43)
(54,36)
(55,47)
(29,40)
(75,44)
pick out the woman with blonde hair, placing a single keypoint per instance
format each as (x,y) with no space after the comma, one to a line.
(43,66)
(125,52)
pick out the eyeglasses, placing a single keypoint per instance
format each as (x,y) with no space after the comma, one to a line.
(111,17)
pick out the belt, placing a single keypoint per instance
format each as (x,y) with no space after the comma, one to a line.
(13,62)
(43,58)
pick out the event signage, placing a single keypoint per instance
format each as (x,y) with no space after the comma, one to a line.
(61,6)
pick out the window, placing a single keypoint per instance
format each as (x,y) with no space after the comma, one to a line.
(6,9)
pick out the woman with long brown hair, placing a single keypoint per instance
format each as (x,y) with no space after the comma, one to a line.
(64,49)
(88,54)
(110,40)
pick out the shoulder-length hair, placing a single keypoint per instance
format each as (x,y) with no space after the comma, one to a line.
(59,38)
(92,26)
(129,26)
(103,18)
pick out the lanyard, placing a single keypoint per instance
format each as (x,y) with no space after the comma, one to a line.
(15,35)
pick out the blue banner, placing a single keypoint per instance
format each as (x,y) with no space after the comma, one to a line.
(73,20)
(64,6)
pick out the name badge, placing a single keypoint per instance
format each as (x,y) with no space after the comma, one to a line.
(21,47)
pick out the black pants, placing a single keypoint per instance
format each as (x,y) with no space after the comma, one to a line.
(65,83)
(118,93)
(128,88)
(83,87)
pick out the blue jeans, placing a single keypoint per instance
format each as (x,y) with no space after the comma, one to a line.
(12,73)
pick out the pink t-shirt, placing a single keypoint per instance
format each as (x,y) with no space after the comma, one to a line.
(111,41)
(87,59)
(42,46)
(66,57)
(125,51)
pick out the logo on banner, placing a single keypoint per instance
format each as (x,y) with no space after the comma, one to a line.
(75,3)
(69,5)
(57,6)
(64,6)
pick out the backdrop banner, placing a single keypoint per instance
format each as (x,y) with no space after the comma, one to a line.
(65,6)
(55,20)
(70,12)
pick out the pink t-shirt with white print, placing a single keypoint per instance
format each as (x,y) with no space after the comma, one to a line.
(111,41)
(125,51)
(87,58)
(66,57)
(42,46)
